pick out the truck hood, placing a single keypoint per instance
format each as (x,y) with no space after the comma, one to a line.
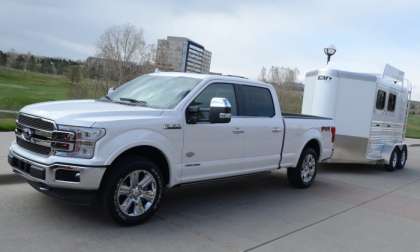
(87,112)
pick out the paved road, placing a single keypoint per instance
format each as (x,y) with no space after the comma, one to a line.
(350,208)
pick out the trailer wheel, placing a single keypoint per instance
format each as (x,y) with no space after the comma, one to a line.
(393,161)
(403,158)
(304,174)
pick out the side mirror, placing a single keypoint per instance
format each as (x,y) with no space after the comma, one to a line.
(110,90)
(220,110)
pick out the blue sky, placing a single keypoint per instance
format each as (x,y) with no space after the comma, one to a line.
(243,35)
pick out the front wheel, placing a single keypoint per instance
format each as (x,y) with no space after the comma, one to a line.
(304,174)
(133,190)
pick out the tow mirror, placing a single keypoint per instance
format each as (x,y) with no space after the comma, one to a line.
(220,110)
(110,90)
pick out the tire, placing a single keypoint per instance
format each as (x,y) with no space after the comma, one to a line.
(133,190)
(393,161)
(304,174)
(403,158)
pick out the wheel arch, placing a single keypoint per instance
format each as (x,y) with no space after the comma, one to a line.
(150,152)
(314,144)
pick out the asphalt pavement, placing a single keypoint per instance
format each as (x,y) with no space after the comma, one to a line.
(349,208)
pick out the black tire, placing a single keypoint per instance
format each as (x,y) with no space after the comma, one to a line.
(392,165)
(297,176)
(403,158)
(119,177)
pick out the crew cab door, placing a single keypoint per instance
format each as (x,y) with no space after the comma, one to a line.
(262,125)
(212,149)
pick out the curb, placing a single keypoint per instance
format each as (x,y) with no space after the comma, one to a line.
(8,179)
(414,145)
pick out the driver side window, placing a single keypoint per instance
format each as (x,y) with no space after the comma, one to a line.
(214,90)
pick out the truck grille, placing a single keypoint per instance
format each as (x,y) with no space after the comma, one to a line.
(35,122)
(33,147)
(41,136)
(34,133)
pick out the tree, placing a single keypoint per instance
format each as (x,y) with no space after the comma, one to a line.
(19,62)
(263,75)
(279,75)
(121,47)
(32,64)
(3,59)
(74,74)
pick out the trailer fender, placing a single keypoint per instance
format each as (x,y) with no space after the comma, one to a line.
(387,151)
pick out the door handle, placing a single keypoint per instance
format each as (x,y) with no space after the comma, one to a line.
(238,132)
(276,130)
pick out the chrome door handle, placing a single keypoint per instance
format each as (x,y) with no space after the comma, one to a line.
(238,132)
(276,130)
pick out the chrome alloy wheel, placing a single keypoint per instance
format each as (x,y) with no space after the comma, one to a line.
(308,168)
(136,193)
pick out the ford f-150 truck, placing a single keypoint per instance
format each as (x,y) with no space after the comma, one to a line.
(161,130)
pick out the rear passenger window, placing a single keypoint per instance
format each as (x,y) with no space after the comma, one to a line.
(392,100)
(255,101)
(380,99)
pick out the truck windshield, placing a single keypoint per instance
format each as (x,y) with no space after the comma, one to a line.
(155,91)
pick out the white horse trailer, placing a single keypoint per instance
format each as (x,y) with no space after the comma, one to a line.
(370,113)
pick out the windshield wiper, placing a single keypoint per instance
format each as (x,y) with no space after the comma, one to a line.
(131,100)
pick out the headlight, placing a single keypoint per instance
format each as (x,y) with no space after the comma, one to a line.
(77,142)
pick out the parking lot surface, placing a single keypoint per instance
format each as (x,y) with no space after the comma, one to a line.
(349,208)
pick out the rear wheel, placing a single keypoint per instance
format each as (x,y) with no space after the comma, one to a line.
(304,174)
(393,160)
(403,158)
(132,192)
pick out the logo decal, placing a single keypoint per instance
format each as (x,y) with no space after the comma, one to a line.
(27,134)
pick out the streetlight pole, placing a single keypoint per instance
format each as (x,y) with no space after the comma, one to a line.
(330,51)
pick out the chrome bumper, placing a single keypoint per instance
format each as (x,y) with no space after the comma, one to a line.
(65,176)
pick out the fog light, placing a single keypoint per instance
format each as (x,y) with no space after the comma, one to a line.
(67,175)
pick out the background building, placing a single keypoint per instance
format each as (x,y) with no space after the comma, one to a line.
(181,54)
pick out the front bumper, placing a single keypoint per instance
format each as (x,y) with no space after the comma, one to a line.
(64,176)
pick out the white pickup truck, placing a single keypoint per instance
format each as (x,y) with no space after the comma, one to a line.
(161,130)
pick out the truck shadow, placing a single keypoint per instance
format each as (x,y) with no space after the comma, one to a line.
(235,198)
(351,168)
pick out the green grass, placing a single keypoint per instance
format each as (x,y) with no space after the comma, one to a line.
(413,127)
(20,88)
(7,124)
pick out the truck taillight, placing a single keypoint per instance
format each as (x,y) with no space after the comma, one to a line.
(332,134)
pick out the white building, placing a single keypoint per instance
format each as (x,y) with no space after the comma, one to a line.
(181,54)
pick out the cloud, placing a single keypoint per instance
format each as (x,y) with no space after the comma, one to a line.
(243,35)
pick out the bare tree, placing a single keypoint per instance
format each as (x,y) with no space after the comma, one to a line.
(122,47)
(263,75)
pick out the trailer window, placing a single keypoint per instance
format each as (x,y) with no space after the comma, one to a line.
(380,99)
(392,100)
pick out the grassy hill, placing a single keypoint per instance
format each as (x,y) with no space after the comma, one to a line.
(413,127)
(19,88)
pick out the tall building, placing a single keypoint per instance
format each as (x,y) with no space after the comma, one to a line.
(181,54)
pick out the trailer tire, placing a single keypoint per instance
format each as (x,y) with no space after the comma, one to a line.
(403,157)
(133,190)
(304,174)
(394,160)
